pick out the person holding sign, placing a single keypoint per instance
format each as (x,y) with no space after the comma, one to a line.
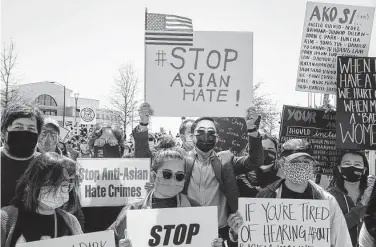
(211,176)
(367,236)
(349,187)
(298,166)
(35,213)
(140,133)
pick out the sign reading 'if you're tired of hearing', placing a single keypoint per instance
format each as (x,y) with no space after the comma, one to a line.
(212,77)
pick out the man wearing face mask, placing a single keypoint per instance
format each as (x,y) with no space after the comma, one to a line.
(20,128)
(211,176)
(49,138)
(186,135)
(298,166)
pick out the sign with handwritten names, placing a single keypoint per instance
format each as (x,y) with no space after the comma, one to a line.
(185,227)
(356,103)
(316,127)
(232,133)
(274,222)
(96,239)
(331,30)
(112,182)
(213,77)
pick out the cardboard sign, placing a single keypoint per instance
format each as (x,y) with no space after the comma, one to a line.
(318,128)
(88,115)
(232,134)
(284,222)
(356,103)
(185,227)
(211,78)
(64,132)
(331,30)
(96,239)
(112,182)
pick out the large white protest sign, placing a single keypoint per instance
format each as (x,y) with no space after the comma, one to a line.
(88,115)
(96,239)
(213,77)
(284,222)
(331,30)
(112,182)
(185,227)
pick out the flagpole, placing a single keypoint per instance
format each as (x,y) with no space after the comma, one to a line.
(146,14)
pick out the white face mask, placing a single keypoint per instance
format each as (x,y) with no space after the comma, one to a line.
(53,199)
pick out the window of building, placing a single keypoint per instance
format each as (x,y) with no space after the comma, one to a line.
(45,100)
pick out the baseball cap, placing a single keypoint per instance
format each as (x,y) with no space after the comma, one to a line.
(52,122)
(296,146)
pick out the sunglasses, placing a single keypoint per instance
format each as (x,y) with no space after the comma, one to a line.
(168,174)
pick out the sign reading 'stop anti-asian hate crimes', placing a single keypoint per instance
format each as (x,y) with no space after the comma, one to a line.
(331,30)
(356,103)
(96,239)
(112,182)
(318,128)
(211,77)
(284,222)
(185,227)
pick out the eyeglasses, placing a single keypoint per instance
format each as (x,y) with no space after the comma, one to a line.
(168,174)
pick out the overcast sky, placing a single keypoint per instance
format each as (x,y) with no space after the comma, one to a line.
(82,43)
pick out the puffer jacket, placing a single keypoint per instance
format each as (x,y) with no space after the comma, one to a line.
(353,213)
(340,236)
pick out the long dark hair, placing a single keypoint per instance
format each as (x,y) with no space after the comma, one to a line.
(338,180)
(46,170)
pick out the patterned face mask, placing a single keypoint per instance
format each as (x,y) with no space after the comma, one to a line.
(299,172)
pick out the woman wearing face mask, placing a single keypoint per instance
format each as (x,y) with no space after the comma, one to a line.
(349,187)
(107,142)
(35,213)
(168,172)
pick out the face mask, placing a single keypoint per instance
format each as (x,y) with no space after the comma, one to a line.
(270,157)
(206,141)
(107,151)
(48,143)
(21,144)
(53,200)
(188,143)
(351,173)
(298,173)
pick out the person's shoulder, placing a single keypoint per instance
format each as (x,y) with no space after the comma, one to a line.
(193,202)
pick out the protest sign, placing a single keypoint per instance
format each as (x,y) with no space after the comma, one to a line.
(318,128)
(112,182)
(96,239)
(88,115)
(232,135)
(64,132)
(186,227)
(356,103)
(331,30)
(213,77)
(284,222)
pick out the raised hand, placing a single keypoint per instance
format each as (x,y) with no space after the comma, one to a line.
(218,242)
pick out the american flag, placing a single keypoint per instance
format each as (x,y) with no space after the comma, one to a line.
(173,30)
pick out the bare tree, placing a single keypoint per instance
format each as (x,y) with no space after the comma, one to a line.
(123,95)
(9,92)
(267,109)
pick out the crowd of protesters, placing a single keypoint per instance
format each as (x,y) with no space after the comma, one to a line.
(39,181)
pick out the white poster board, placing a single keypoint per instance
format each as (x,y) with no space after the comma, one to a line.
(112,182)
(284,222)
(96,239)
(185,227)
(331,30)
(214,77)
(88,115)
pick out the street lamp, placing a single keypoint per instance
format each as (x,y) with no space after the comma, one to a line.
(76,95)
(54,82)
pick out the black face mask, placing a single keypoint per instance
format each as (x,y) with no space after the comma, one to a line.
(206,141)
(107,151)
(21,144)
(351,173)
(269,157)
